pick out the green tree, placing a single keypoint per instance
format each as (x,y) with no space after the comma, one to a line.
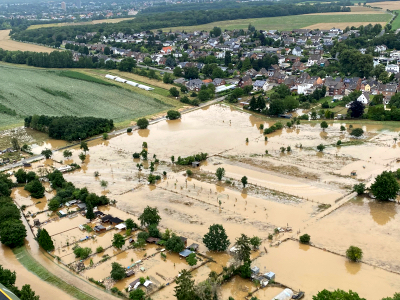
(242,245)
(15,144)
(276,107)
(244,181)
(118,241)
(45,240)
(117,271)
(354,253)
(305,239)
(36,189)
(54,204)
(149,216)
(336,295)
(220,173)
(385,186)
(9,211)
(142,123)
(137,294)
(191,259)
(82,157)
(356,109)
(342,128)
(320,147)
(12,233)
(175,244)
(105,136)
(324,125)
(359,188)
(216,238)
(153,231)
(174,92)
(20,175)
(357,132)
(47,153)
(84,146)
(184,289)
(173,114)
(127,64)
(396,296)
(103,184)
(27,293)
(130,224)
(255,241)
(89,211)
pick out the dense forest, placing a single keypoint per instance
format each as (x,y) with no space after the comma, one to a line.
(51,35)
(69,128)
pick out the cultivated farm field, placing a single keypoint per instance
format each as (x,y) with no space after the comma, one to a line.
(79,23)
(293,22)
(8,44)
(31,91)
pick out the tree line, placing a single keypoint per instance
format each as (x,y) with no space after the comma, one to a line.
(51,35)
(69,128)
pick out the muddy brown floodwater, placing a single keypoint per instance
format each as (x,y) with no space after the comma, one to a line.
(304,189)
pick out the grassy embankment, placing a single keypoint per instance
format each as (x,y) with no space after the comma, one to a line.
(76,92)
(396,21)
(290,22)
(33,266)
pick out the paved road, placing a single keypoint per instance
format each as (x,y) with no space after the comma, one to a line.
(116,132)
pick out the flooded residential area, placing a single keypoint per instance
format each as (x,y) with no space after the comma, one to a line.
(287,194)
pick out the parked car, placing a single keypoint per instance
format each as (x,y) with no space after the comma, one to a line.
(298,296)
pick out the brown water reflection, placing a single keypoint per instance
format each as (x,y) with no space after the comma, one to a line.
(144,132)
(382,212)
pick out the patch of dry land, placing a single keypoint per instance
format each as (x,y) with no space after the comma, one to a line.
(391,5)
(306,190)
(81,23)
(341,25)
(8,44)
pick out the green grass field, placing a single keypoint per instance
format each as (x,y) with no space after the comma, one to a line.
(31,91)
(33,266)
(396,22)
(287,22)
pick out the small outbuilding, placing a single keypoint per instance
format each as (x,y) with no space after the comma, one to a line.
(121,226)
(152,240)
(193,247)
(353,173)
(184,240)
(270,275)
(129,272)
(99,228)
(255,270)
(185,253)
(195,164)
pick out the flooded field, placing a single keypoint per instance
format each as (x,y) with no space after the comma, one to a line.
(304,189)
(311,270)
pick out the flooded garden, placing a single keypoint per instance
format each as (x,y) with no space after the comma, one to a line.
(300,190)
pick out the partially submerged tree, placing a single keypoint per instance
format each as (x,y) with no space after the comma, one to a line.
(36,189)
(244,181)
(337,294)
(220,173)
(216,238)
(149,216)
(118,241)
(82,157)
(184,289)
(385,186)
(354,253)
(117,271)
(84,146)
(305,239)
(47,153)
(359,188)
(175,244)
(255,241)
(142,123)
(45,240)
(324,125)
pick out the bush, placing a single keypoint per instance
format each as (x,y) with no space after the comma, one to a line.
(189,173)
(320,147)
(339,142)
(129,130)
(305,239)
(173,114)
(357,132)
(36,189)
(359,188)
(354,253)
(136,155)
(83,253)
(142,123)
(99,249)
(143,235)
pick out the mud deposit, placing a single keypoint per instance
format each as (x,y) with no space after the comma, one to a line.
(304,189)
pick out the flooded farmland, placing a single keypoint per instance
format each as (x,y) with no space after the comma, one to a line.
(299,191)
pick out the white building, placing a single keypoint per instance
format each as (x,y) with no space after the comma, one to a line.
(392,68)
(363,98)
